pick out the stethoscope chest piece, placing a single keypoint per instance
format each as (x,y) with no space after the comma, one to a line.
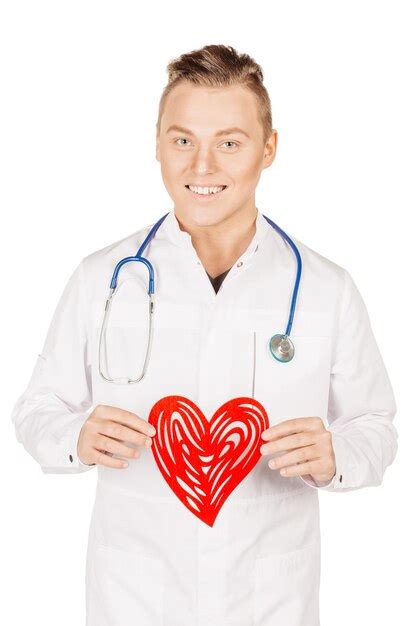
(281,348)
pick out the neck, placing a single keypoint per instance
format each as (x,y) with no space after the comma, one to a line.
(218,246)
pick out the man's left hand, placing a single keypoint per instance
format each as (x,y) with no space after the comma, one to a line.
(309,445)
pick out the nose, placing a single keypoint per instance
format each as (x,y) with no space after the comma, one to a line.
(204,161)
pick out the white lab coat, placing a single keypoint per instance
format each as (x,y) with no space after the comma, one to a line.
(150,561)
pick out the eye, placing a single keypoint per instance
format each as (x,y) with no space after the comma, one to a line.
(234,142)
(180,139)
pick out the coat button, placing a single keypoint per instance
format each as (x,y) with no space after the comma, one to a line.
(70,457)
(239,264)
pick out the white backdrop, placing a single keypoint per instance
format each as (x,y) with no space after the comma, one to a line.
(80,85)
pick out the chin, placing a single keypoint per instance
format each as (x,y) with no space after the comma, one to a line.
(202,216)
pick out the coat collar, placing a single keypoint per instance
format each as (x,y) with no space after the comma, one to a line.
(170,229)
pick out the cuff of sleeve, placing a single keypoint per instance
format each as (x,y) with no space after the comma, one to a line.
(69,462)
(309,480)
(343,468)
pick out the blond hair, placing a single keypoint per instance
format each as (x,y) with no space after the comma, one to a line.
(220,66)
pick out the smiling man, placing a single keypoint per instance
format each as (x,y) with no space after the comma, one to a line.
(213,143)
(222,444)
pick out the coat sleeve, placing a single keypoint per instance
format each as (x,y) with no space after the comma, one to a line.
(50,413)
(361,401)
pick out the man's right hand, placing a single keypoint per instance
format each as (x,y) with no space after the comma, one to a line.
(104,433)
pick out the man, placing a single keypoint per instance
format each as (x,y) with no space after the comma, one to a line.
(223,280)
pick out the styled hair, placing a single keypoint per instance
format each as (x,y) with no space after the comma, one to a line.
(219,66)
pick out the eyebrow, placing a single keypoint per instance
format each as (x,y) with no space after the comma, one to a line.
(225,131)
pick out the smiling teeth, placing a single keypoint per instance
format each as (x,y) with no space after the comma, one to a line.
(205,190)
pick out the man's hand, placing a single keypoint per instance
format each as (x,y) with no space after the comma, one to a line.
(310,448)
(104,431)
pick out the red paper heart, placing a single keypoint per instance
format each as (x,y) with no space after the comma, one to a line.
(200,459)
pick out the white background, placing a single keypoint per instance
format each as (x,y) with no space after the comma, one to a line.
(80,85)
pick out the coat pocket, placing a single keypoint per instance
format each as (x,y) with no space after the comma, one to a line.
(299,387)
(287,588)
(123,587)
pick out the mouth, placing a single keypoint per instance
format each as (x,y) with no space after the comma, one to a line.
(206,193)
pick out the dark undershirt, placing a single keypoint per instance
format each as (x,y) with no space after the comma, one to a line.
(217,281)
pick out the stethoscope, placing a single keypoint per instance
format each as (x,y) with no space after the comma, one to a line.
(280,345)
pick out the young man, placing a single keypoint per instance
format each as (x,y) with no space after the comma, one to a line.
(161,549)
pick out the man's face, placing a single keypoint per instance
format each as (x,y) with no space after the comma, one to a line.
(193,150)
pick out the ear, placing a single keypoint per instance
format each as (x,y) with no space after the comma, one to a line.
(157,153)
(270,148)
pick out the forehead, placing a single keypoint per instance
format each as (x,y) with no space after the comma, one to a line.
(199,108)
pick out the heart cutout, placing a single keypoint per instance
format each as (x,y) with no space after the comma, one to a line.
(203,461)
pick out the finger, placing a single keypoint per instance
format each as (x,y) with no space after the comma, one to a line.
(300,469)
(291,426)
(290,442)
(123,433)
(127,418)
(100,458)
(302,455)
(107,444)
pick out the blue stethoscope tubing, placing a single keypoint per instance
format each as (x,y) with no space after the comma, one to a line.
(298,276)
(281,346)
